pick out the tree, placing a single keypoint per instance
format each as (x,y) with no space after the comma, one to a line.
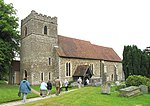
(146,60)
(135,61)
(9,37)
(125,62)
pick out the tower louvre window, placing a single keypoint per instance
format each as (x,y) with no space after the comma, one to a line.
(45,30)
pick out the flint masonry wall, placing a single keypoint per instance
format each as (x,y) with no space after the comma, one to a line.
(98,69)
(37,48)
(75,63)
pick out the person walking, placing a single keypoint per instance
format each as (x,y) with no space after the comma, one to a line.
(66,85)
(49,87)
(57,85)
(79,82)
(61,85)
(87,81)
(24,88)
(43,89)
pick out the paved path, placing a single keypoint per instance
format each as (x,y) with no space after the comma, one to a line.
(20,102)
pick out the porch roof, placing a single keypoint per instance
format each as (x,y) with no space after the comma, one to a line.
(81,70)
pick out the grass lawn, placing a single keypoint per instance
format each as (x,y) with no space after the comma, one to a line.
(9,93)
(91,96)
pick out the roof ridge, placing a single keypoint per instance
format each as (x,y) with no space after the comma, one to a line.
(74,38)
(101,46)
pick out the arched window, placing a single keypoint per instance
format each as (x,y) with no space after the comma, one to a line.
(50,61)
(42,76)
(92,68)
(68,69)
(112,77)
(105,69)
(49,76)
(45,30)
(25,32)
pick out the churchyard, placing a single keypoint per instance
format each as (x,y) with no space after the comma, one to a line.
(91,96)
(86,96)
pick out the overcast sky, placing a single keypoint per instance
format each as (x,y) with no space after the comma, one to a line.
(109,23)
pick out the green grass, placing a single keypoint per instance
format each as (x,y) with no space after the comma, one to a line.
(87,96)
(91,96)
(9,93)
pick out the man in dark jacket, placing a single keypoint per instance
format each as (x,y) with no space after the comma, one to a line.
(49,87)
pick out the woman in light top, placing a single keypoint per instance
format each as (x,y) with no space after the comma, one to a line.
(66,85)
(43,89)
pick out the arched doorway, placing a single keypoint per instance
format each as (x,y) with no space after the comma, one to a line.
(25,73)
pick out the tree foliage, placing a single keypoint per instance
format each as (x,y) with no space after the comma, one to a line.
(135,61)
(9,36)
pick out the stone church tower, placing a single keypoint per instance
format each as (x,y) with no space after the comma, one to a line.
(38,42)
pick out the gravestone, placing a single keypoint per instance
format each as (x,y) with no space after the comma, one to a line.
(105,88)
(130,91)
(104,79)
(144,88)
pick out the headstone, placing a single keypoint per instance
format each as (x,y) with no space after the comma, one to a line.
(105,88)
(144,88)
(74,84)
(104,79)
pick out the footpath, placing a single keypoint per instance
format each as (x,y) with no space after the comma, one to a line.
(20,102)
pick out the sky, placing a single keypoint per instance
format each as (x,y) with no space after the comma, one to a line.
(109,23)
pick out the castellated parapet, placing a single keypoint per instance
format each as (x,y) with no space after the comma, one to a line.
(35,15)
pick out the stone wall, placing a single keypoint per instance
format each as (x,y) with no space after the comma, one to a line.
(111,67)
(97,67)
(75,63)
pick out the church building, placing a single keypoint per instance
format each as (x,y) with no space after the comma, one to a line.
(45,55)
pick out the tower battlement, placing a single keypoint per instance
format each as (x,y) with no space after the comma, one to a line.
(35,15)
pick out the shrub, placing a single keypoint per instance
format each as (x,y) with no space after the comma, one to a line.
(136,80)
(3,82)
(120,87)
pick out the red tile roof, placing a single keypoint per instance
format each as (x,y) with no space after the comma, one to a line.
(75,48)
